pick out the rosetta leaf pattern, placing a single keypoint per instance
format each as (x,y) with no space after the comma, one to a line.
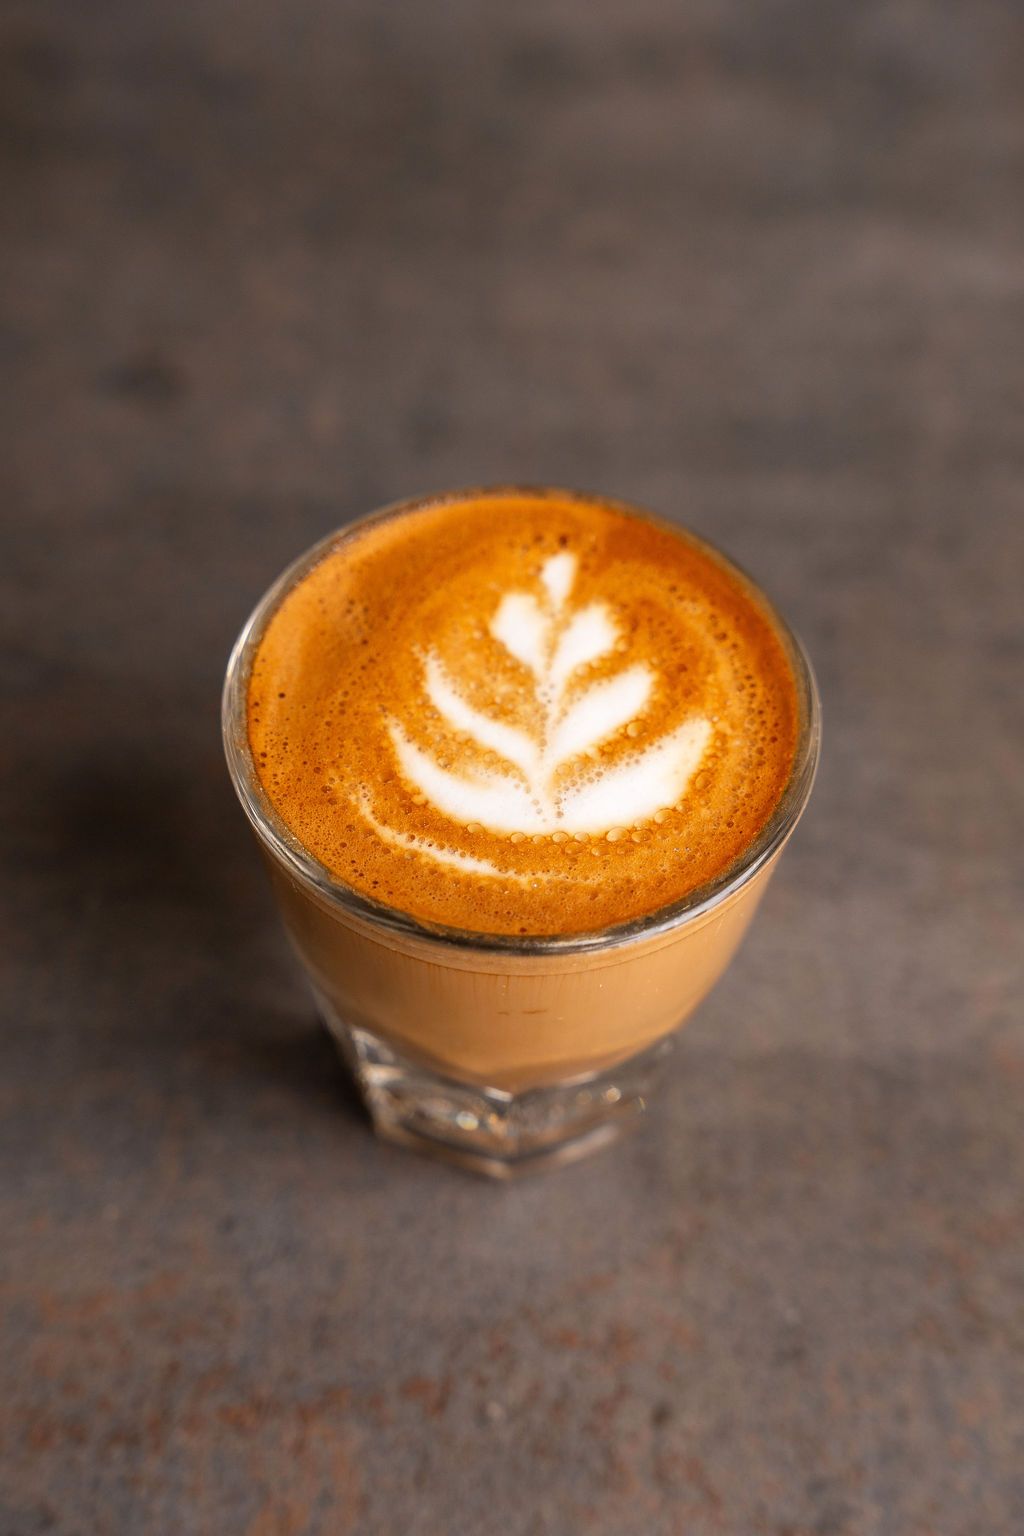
(524,795)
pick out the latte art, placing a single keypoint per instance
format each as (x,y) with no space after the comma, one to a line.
(522,713)
(531,791)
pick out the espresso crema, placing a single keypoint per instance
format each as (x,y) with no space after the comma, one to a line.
(522,713)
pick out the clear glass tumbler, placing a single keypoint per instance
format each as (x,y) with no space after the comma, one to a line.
(503,1053)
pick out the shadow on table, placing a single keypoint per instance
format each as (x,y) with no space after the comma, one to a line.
(139,872)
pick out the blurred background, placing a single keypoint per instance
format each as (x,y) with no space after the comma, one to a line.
(264,267)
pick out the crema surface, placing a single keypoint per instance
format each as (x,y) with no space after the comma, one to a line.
(522,713)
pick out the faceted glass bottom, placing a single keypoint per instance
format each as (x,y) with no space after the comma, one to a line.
(489,1130)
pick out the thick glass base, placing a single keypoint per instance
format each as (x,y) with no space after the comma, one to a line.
(489,1130)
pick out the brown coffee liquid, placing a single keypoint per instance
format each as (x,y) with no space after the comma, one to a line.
(522,712)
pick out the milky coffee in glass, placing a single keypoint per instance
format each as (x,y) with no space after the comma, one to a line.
(521,763)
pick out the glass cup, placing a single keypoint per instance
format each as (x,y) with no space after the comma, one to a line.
(498,1052)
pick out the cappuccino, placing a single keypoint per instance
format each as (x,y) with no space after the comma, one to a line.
(522,713)
(521,764)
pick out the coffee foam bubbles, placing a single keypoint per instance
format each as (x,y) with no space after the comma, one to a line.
(522,713)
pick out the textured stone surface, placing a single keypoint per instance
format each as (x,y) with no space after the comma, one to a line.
(265,267)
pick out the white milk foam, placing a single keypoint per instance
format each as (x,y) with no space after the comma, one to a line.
(427,848)
(554,781)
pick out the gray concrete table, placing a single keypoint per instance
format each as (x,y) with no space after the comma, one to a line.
(265,267)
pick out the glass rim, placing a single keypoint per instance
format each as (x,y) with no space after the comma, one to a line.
(301,864)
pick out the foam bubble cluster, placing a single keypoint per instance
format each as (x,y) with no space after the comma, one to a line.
(522,713)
